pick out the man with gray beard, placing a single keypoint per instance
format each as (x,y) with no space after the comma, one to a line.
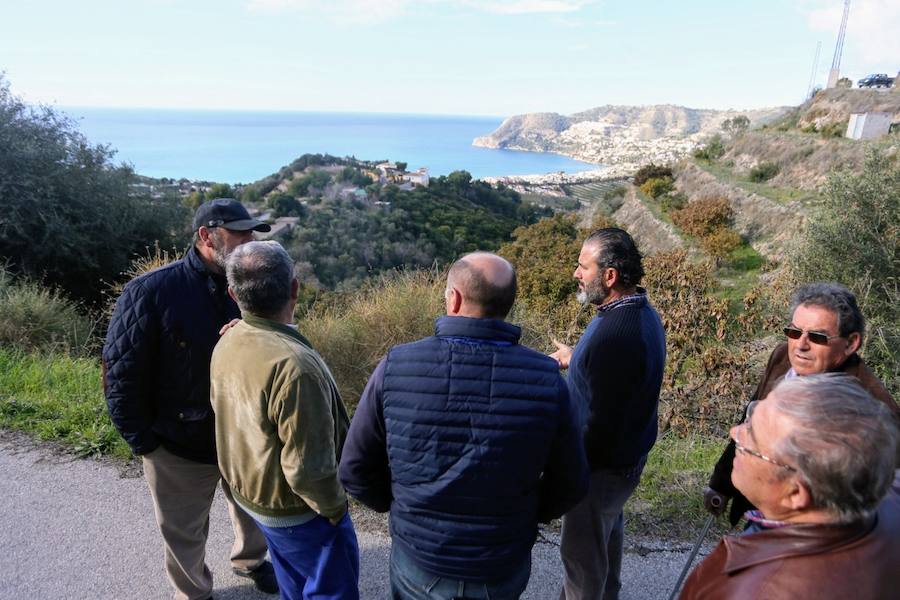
(156,381)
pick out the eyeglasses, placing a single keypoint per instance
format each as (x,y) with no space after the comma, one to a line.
(816,337)
(759,455)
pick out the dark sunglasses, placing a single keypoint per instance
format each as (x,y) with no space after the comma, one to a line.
(816,337)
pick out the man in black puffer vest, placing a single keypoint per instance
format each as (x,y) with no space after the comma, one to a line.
(615,374)
(156,378)
(469,440)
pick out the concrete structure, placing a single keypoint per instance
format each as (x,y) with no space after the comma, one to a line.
(418,177)
(867,126)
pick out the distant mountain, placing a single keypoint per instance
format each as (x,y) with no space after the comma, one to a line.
(618,135)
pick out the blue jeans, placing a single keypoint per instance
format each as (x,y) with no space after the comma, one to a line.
(593,536)
(411,582)
(316,559)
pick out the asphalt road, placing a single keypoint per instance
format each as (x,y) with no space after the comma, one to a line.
(84,529)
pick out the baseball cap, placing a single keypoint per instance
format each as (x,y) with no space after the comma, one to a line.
(227,213)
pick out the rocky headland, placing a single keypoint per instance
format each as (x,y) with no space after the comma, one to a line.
(620,137)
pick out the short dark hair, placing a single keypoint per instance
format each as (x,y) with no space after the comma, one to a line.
(616,249)
(836,298)
(260,276)
(495,298)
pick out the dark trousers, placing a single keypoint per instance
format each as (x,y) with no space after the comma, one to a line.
(593,535)
(315,560)
(410,582)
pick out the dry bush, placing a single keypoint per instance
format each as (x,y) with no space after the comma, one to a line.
(721,242)
(156,257)
(703,216)
(354,333)
(34,316)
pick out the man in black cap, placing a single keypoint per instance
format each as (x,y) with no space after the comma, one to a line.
(156,380)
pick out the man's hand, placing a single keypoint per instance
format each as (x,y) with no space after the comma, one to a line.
(335,520)
(228,326)
(714,502)
(562,355)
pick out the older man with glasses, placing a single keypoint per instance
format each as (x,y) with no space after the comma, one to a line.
(818,459)
(825,331)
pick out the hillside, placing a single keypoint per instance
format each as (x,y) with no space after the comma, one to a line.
(622,136)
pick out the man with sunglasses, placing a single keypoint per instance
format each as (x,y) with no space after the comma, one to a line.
(825,331)
(818,459)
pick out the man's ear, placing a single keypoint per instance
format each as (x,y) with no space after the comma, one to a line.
(295,290)
(854,341)
(798,498)
(454,301)
(610,277)
(204,234)
(231,293)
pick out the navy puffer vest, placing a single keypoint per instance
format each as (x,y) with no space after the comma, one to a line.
(469,416)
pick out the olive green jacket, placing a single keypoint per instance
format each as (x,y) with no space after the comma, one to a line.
(280,421)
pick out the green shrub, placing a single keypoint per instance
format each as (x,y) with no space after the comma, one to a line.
(835,129)
(70,214)
(764,171)
(614,192)
(853,237)
(657,186)
(672,201)
(713,150)
(37,317)
(651,171)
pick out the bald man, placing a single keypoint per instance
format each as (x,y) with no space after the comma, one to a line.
(469,440)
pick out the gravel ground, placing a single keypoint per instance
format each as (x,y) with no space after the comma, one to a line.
(84,529)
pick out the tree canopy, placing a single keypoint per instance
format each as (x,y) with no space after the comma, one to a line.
(68,214)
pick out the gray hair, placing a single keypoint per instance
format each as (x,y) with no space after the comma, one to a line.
(836,298)
(260,276)
(842,442)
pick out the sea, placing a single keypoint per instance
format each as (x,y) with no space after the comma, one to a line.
(244,146)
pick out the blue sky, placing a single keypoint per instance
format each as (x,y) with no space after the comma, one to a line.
(497,57)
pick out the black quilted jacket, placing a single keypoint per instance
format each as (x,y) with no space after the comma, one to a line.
(156,358)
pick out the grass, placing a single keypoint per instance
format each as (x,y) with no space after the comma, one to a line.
(669,501)
(782,195)
(53,396)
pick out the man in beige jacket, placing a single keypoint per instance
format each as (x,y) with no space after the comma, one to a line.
(280,427)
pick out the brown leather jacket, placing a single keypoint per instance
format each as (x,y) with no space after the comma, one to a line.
(815,562)
(775,370)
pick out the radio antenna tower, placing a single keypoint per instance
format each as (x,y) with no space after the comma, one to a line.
(812,75)
(834,74)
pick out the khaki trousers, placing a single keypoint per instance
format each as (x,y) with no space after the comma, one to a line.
(183,493)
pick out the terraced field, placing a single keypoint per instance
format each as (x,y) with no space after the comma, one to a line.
(589,193)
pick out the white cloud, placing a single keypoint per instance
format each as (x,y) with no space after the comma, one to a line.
(872,28)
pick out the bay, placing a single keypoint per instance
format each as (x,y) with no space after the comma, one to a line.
(244,146)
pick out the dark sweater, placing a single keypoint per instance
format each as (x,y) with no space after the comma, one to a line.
(615,375)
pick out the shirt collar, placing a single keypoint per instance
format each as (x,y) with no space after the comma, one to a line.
(638,298)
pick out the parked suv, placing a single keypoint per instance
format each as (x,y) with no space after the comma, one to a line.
(878,80)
